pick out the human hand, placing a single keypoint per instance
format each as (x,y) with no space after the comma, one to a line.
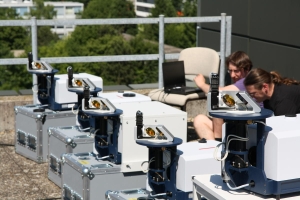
(199,80)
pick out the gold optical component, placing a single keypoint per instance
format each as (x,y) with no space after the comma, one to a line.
(228,100)
(96,104)
(150,132)
(37,65)
(78,82)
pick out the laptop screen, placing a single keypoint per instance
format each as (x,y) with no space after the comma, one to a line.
(173,74)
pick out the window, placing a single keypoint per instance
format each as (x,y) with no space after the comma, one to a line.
(59,11)
(77,9)
(21,11)
(143,9)
(146,1)
(69,11)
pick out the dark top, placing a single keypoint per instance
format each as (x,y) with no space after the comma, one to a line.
(285,100)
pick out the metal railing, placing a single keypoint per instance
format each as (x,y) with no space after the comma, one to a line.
(225,40)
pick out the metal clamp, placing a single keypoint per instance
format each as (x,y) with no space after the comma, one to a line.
(62,158)
(49,131)
(86,172)
(16,110)
(71,142)
(41,117)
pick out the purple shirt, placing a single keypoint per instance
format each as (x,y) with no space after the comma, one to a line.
(240,85)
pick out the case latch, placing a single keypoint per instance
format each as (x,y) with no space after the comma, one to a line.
(86,172)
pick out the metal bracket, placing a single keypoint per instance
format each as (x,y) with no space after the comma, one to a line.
(49,132)
(16,110)
(63,160)
(41,117)
(86,172)
(39,159)
(71,142)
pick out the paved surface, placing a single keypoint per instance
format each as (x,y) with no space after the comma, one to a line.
(22,178)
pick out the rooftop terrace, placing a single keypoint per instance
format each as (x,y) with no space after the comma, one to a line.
(22,178)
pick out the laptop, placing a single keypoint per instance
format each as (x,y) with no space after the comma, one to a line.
(174,79)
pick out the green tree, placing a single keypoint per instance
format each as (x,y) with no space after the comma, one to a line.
(190,10)
(177,4)
(145,71)
(16,76)
(104,40)
(15,37)
(111,9)
(40,11)
(100,9)
(85,2)
(12,77)
(162,7)
(179,35)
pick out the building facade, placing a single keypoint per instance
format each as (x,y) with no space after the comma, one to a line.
(143,7)
(268,31)
(64,10)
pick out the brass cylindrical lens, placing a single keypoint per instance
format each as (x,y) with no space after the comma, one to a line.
(37,65)
(78,82)
(96,104)
(228,100)
(150,132)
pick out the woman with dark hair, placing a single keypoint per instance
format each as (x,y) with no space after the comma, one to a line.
(281,95)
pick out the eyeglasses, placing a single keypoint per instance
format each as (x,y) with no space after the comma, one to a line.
(252,94)
(233,71)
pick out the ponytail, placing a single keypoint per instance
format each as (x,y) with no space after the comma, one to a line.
(277,79)
(257,77)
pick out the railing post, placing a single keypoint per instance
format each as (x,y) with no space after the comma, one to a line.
(222,49)
(34,51)
(161,50)
(228,35)
(197,36)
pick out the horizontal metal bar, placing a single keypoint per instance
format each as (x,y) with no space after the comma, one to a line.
(191,19)
(172,56)
(15,22)
(13,61)
(88,59)
(97,21)
(85,59)
(53,22)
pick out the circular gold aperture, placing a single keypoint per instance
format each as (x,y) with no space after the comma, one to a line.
(37,65)
(150,132)
(78,82)
(96,104)
(228,100)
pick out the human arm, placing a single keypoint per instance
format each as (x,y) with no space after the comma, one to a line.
(217,127)
(200,82)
